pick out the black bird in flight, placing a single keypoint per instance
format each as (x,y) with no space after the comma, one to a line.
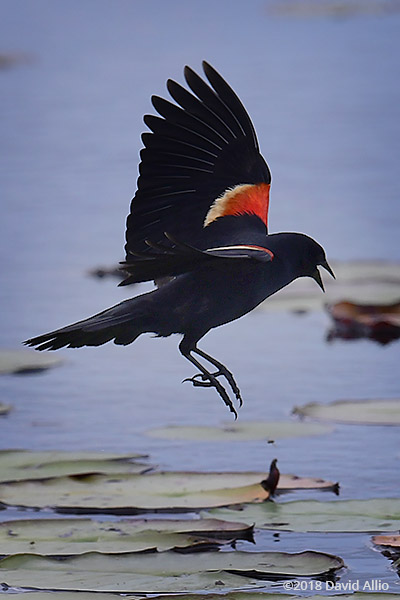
(198,228)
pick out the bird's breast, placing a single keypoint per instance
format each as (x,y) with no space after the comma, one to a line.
(232,293)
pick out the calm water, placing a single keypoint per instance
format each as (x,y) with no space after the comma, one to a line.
(325,99)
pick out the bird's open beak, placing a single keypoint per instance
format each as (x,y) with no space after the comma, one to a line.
(327,267)
(317,277)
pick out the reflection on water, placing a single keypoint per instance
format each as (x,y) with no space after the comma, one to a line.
(325,101)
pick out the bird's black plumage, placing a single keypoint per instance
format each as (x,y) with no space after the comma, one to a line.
(202,146)
(198,221)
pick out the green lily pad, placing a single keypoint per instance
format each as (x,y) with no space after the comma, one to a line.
(4,408)
(239,432)
(58,537)
(128,494)
(18,465)
(374,515)
(21,362)
(363,412)
(162,571)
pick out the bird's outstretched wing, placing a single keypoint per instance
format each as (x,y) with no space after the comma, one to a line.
(201,161)
(170,261)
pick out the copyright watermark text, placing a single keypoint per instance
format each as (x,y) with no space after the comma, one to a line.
(355,585)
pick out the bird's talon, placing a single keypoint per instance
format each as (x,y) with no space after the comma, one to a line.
(233,410)
(197,383)
(201,383)
(210,380)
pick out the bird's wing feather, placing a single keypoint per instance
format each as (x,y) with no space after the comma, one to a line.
(178,258)
(198,150)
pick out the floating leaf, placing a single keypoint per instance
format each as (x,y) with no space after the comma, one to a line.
(330,9)
(379,322)
(238,432)
(4,408)
(162,571)
(392,540)
(102,272)
(18,465)
(378,514)
(390,548)
(129,494)
(9,60)
(124,494)
(288,483)
(363,412)
(21,362)
(59,537)
(32,458)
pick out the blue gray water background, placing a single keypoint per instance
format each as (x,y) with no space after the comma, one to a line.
(323,92)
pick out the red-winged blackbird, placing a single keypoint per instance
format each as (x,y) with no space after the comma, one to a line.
(198,228)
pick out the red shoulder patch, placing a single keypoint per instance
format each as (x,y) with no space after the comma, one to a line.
(243,199)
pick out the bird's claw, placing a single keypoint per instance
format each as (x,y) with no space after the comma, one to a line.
(198,383)
(230,379)
(203,380)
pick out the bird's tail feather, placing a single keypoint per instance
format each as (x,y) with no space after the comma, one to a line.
(122,323)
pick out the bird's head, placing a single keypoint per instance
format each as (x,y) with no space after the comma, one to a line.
(301,254)
(312,257)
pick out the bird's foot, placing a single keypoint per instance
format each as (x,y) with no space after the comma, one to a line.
(230,379)
(210,380)
(202,380)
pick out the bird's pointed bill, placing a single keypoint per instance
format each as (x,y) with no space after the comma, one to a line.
(326,266)
(317,277)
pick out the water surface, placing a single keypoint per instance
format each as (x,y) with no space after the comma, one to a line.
(323,93)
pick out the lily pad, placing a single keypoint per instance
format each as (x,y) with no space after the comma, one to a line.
(18,465)
(330,9)
(389,545)
(129,494)
(21,362)
(162,571)
(60,537)
(391,540)
(374,515)
(4,408)
(363,412)
(379,322)
(239,432)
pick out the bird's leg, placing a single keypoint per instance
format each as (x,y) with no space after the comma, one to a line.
(222,370)
(210,380)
